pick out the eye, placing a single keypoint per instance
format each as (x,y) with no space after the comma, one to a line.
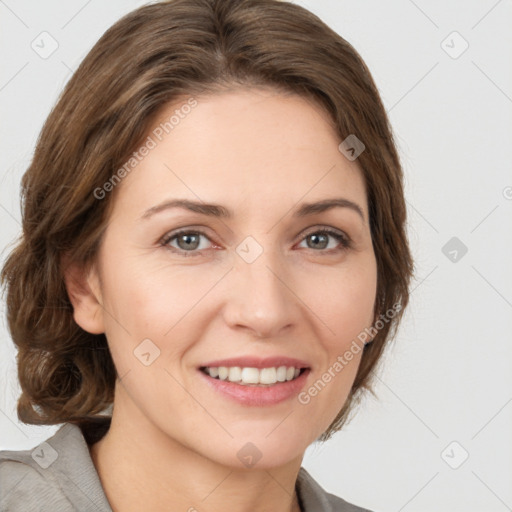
(320,240)
(187,241)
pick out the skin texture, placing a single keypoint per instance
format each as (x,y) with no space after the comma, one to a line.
(173,441)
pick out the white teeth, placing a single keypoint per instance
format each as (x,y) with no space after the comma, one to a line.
(281,373)
(235,374)
(268,376)
(249,375)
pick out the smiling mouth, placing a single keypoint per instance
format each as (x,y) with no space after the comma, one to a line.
(249,376)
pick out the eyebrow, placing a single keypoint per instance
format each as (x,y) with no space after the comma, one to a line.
(217,210)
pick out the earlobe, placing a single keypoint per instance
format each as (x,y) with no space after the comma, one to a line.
(84,293)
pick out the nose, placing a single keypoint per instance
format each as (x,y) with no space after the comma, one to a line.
(260,299)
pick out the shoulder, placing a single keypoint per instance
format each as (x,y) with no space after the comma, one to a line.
(58,474)
(26,485)
(316,499)
(24,488)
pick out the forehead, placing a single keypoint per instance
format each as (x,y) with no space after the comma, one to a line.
(245,146)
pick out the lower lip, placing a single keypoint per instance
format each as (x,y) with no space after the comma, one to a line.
(258,395)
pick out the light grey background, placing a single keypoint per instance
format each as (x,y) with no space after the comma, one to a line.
(448,376)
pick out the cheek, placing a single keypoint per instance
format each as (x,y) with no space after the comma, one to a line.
(149,296)
(150,329)
(160,302)
(343,299)
(344,303)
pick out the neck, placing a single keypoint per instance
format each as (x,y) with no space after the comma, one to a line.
(142,468)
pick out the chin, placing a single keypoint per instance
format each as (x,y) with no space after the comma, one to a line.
(258,449)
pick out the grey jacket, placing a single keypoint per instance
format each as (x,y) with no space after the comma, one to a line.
(59,476)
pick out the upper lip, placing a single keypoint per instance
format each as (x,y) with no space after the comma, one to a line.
(257,362)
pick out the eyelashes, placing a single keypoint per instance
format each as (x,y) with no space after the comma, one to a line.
(193,237)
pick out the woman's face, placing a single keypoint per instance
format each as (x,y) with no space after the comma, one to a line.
(265,282)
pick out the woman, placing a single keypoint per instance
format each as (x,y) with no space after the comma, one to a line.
(213,259)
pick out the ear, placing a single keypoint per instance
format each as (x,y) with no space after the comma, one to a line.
(83,287)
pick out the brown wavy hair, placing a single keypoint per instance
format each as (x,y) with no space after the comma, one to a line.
(148,58)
